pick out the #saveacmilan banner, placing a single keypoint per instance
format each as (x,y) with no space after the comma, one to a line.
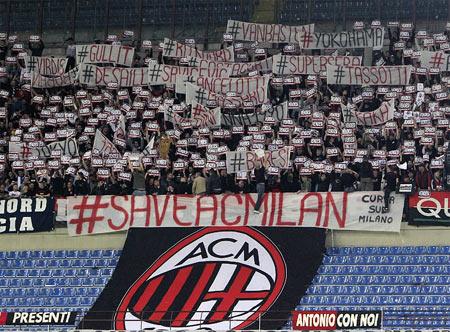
(213,278)
(431,211)
(337,210)
(24,215)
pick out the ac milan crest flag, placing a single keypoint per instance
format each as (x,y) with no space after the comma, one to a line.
(210,278)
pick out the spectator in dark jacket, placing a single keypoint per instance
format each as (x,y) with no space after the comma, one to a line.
(366,175)
(213,184)
(81,185)
(423,179)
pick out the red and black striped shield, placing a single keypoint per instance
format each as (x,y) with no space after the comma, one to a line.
(213,278)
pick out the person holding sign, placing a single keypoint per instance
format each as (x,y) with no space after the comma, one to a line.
(260,177)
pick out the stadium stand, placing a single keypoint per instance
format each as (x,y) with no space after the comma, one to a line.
(54,280)
(410,284)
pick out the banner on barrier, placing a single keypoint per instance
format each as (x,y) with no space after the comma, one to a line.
(45,65)
(38,318)
(336,320)
(48,82)
(370,38)
(69,147)
(310,65)
(212,278)
(277,112)
(175,49)
(235,68)
(269,33)
(92,75)
(104,214)
(245,161)
(429,211)
(362,75)
(200,95)
(381,115)
(437,59)
(104,53)
(165,74)
(25,215)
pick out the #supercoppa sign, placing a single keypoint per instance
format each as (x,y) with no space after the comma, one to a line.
(335,320)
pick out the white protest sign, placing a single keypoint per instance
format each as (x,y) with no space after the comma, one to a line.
(104,53)
(103,146)
(381,115)
(238,85)
(310,65)
(201,117)
(245,161)
(159,74)
(269,33)
(92,75)
(370,38)
(69,147)
(45,65)
(362,75)
(438,59)
(200,95)
(278,113)
(47,82)
(174,49)
(235,68)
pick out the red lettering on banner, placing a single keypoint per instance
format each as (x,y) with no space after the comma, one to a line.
(159,217)
(317,210)
(179,47)
(280,214)
(249,204)
(272,206)
(201,209)
(118,207)
(339,218)
(134,209)
(177,207)
(223,213)
(90,219)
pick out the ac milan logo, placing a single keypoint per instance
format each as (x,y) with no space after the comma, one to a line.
(216,278)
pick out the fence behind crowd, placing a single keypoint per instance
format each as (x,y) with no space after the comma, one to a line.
(85,20)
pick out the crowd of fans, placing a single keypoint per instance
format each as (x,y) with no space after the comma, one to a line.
(368,170)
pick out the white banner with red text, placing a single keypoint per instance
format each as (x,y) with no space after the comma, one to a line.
(366,76)
(45,65)
(238,85)
(381,115)
(104,53)
(92,75)
(200,95)
(332,210)
(174,49)
(368,38)
(234,68)
(269,33)
(310,65)
(165,74)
